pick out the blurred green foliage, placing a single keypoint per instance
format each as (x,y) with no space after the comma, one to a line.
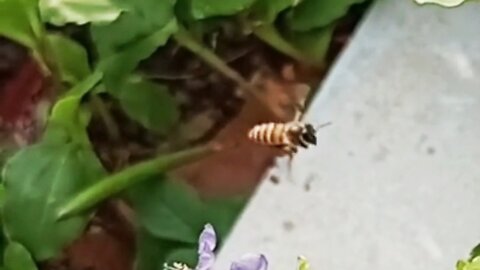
(62,173)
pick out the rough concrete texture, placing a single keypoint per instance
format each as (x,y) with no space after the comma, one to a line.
(395,181)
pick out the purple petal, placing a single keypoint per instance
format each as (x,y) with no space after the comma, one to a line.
(206,245)
(206,259)
(250,262)
(207,240)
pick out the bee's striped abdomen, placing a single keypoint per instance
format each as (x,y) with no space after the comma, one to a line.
(269,134)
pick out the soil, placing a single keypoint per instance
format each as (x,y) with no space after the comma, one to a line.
(211,106)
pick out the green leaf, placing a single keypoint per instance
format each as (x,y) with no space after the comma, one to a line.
(150,252)
(61,12)
(445,3)
(134,36)
(17,257)
(149,104)
(153,252)
(303,264)
(119,65)
(118,182)
(202,9)
(38,180)
(144,18)
(2,197)
(311,14)
(173,211)
(171,219)
(186,255)
(20,22)
(313,44)
(475,252)
(67,112)
(473,264)
(268,10)
(461,265)
(70,57)
(268,33)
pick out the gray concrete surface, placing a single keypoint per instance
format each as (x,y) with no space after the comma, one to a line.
(395,181)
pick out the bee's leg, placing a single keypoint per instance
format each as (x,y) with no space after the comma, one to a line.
(291,150)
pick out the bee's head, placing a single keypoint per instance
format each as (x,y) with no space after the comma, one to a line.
(308,134)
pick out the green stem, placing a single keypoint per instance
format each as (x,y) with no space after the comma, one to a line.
(270,35)
(108,121)
(115,183)
(185,39)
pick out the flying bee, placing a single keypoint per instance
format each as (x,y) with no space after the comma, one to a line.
(285,136)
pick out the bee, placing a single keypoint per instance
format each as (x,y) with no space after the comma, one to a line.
(286,136)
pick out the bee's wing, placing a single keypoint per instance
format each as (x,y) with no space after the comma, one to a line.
(299,112)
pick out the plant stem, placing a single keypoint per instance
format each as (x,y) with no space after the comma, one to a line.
(115,183)
(270,35)
(107,118)
(185,39)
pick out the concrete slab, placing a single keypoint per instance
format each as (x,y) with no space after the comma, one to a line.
(395,181)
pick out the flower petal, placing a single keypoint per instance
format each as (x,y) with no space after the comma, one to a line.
(206,259)
(250,262)
(207,240)
(206,245)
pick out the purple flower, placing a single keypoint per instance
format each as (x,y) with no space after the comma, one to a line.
(207,243)
(206,257)
(250,262)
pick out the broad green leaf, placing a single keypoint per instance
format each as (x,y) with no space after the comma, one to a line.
(473,264)
(152,252)
(120,181)
(71,58)
(311,14)
(117,36)
(119,65)
(17,257)
(198,28)
(61,12)
(149,104)
(2,197)
(20,22)
(38,180)
(445,3)
(461,264)
(268,10)
(186,255)
(475,252)
(144,18)
(202,9)
(157,13)
(313,44)
(173,211)
(268,33)
(183,11)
